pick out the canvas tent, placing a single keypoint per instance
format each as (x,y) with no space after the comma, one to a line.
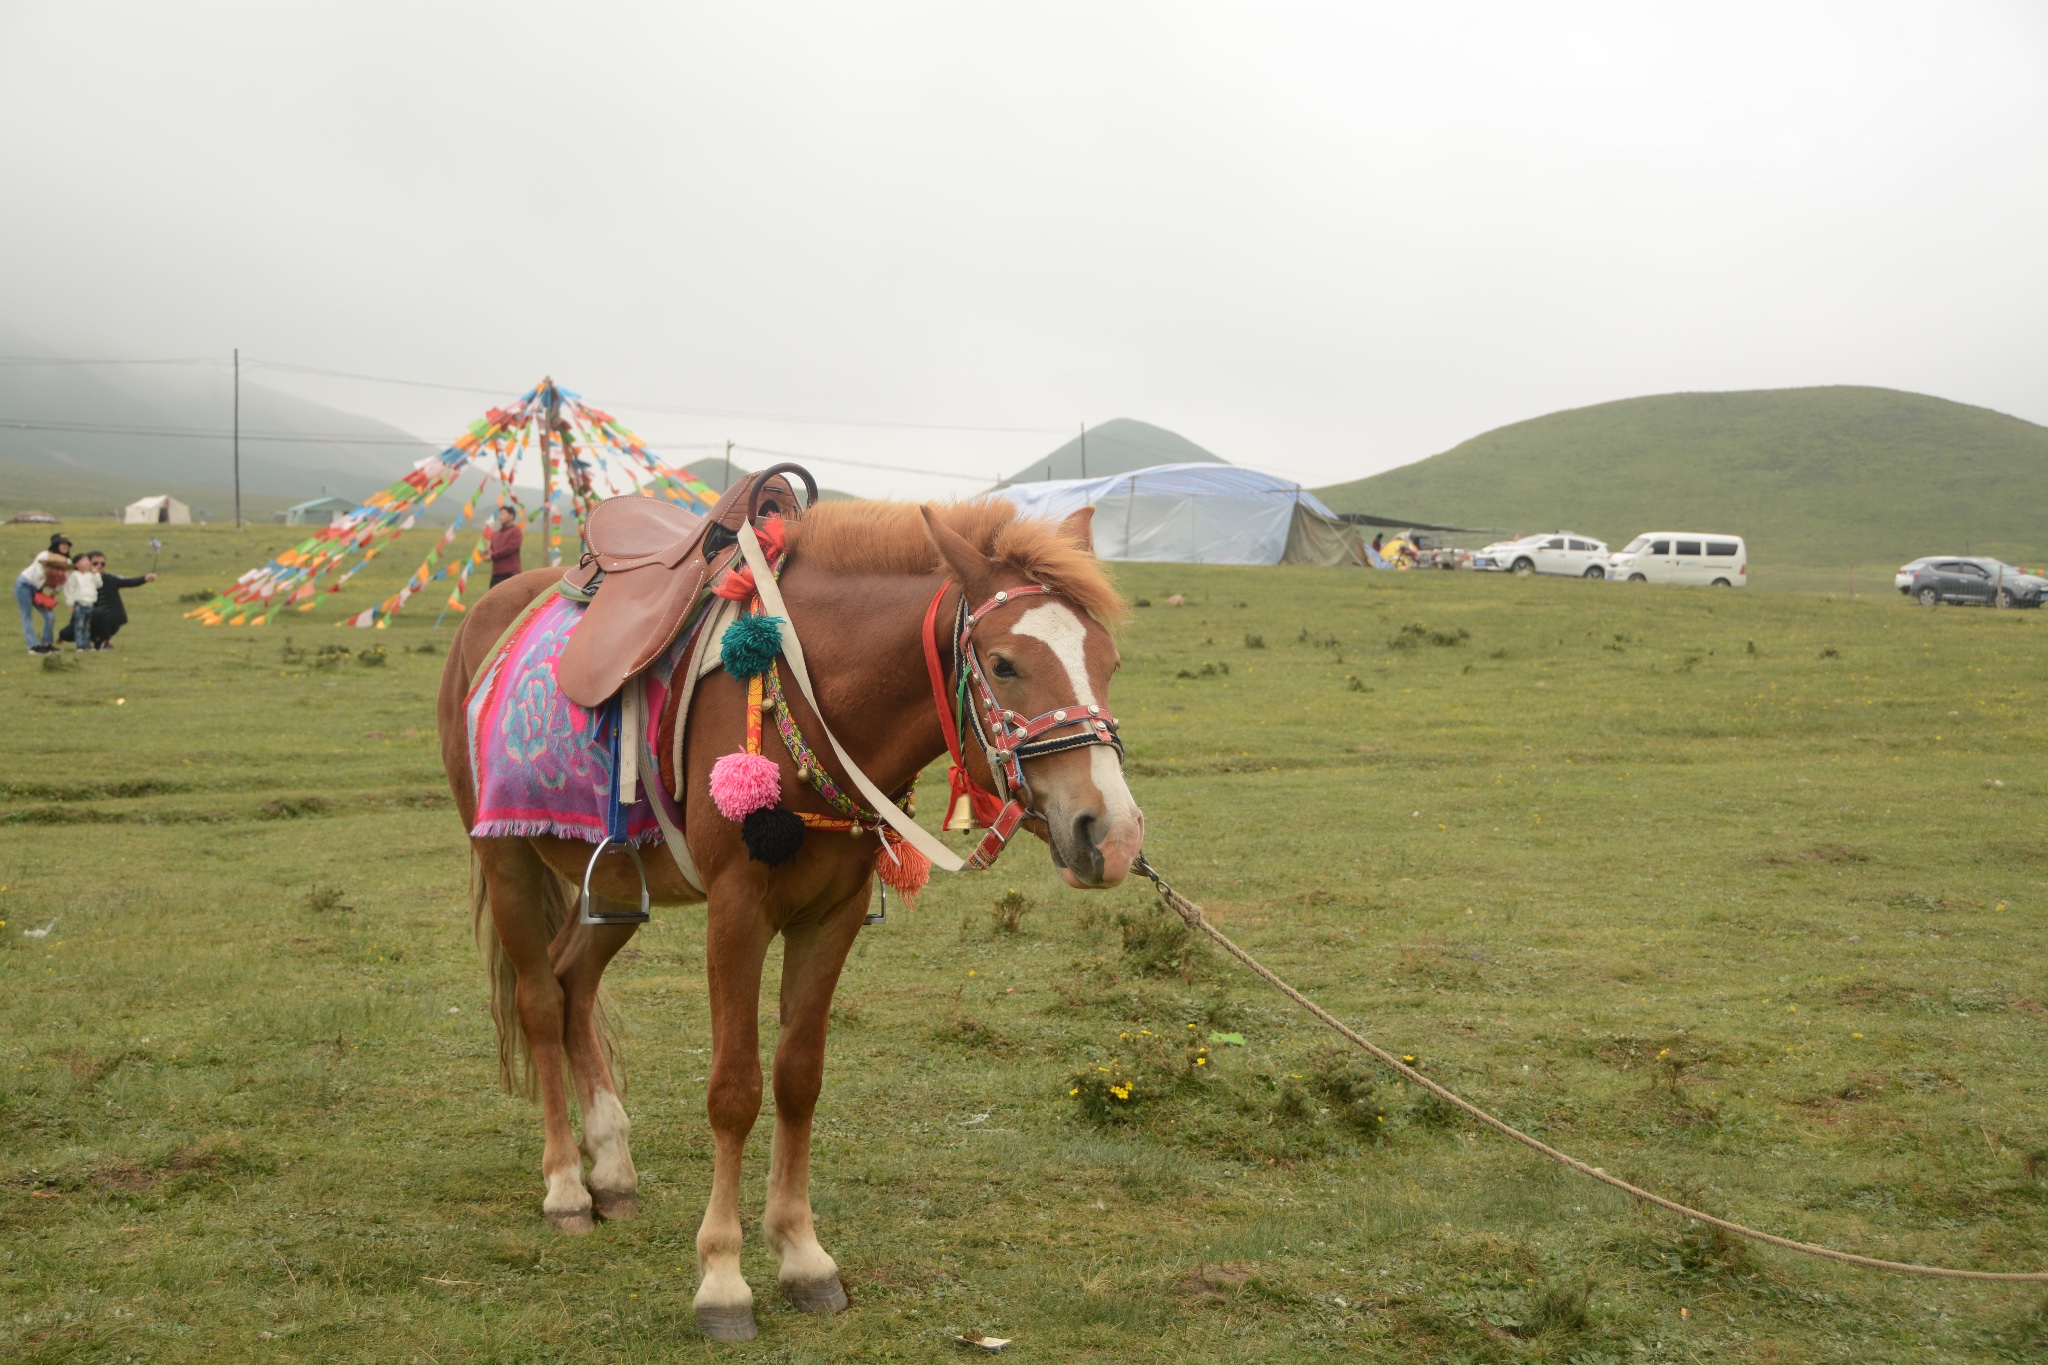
(160,508)
(317,512)
(1198,514)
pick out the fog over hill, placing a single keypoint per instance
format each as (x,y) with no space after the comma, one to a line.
(1818,476)
(1116,447)
(171,424)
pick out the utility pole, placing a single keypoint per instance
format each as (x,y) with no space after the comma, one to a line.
(1084,450)
(728,470)
(238,438)
(551,407)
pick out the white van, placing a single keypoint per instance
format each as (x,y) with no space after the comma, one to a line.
(1682,557)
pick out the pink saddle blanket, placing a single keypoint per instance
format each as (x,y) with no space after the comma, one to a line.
(538,760)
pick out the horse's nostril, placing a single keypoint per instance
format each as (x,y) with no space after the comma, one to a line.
(1084,830)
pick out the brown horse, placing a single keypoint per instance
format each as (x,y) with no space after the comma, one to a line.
(856,584)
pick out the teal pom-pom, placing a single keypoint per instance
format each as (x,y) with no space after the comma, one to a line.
(750,645)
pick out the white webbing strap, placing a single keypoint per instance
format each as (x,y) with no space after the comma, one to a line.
(671,838)
(878,800)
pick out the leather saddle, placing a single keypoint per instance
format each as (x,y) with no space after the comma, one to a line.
(646,564)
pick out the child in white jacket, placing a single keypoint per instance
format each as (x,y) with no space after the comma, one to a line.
(82,592)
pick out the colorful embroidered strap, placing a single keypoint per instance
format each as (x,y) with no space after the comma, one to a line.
(808,765)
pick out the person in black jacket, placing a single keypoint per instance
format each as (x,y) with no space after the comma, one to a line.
(109,614)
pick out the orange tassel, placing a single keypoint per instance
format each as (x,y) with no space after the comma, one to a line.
(906,873)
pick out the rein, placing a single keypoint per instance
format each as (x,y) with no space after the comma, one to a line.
(1007,739)
(1192,914)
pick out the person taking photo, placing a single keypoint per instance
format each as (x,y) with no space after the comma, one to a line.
(110,613)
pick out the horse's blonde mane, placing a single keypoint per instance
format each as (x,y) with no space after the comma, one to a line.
(853,536)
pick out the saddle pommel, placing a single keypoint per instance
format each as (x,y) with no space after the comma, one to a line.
(647,563)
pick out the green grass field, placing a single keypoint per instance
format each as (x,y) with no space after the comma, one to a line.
(1739,895)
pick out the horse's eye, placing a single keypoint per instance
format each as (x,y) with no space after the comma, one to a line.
(1003,668)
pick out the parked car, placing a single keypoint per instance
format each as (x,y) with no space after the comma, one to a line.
(1903,579)
(1985,582)
(1574,556)
(1683,557)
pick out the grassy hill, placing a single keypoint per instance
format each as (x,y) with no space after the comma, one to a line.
(84,495)
(1116,447)
(1814,478)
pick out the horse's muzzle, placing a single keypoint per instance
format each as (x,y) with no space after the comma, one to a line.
(1094,851)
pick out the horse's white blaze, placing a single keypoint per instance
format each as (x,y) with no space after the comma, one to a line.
(1058,627)
(605,1127)
(1061,631)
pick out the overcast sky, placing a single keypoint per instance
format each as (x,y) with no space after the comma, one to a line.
(1322,240)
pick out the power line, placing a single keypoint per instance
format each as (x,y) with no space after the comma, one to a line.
(59,360)
(380,379)
(686,411)
(198,434)
(859,464)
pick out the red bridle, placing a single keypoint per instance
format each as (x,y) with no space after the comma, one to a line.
(1007,739)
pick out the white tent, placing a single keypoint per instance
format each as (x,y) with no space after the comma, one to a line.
(160,508)
(322,511)
(1197,514)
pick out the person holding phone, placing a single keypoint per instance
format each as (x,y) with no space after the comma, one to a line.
(111,613)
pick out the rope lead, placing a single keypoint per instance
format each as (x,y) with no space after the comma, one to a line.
(1192,913)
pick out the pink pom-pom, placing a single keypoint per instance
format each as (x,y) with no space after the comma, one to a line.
(744,783)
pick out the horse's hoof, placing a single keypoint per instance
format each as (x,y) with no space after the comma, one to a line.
(819,1296)
(575,1222)
(616,1208)
(727,1324)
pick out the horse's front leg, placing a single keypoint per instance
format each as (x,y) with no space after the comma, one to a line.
(737,936)
(813,954)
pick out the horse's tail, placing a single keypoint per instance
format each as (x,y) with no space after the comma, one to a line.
(516,1072)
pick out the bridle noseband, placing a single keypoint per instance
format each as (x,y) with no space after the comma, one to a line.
(1007,739)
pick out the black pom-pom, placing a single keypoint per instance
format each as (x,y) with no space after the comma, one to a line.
(773,835)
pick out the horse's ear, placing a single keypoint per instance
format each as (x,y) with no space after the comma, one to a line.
(974,571)
(1079,527)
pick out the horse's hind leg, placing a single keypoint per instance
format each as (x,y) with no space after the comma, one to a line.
(811,960)
(526,909)
(581,955)
(737,943)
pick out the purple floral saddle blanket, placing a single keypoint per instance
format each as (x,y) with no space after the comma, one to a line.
(542,764)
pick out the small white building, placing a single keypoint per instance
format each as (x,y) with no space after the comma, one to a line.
(161,508)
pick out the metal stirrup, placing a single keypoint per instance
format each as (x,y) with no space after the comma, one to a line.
(622,916)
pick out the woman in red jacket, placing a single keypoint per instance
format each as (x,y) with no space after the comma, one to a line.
(506,540)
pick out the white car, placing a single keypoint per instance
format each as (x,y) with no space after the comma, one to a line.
(1903,579)
(1683,557)
(1573,556)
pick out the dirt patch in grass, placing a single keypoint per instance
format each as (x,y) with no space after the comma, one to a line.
(294,807)
(1826,854)
(1875,993)
(1214,1283)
